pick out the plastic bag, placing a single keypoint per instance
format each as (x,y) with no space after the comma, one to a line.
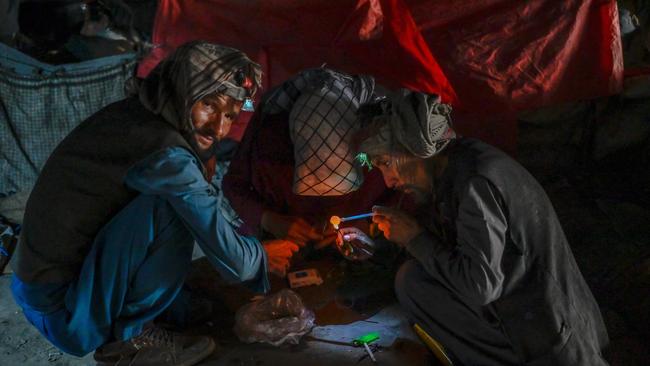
(277,319)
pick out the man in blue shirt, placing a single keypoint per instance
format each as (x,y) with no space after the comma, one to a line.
(111,222)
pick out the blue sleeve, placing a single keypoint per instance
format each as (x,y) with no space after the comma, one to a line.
(174,175)
(473,267)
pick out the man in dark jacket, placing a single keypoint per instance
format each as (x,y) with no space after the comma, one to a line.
(492,277)
(109,227)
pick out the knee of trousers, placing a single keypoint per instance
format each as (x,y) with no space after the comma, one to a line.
(156,211)
(409,281)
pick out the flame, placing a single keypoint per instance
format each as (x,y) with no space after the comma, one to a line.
(335,221)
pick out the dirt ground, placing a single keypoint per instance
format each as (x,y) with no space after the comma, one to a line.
(351,302)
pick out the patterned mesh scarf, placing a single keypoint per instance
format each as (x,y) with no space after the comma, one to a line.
(418,122)
(322,121)
(193,71)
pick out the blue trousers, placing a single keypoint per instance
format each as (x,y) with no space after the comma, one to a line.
(135,269)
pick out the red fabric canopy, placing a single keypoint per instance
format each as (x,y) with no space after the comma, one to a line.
(489,58)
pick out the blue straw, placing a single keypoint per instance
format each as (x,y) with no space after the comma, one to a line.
(356,217)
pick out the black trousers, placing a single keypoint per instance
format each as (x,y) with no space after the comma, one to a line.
(466,331)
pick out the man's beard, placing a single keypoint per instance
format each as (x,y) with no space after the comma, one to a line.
(203,154)
(419,195)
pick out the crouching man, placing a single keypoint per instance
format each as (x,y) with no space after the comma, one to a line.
(110,225)
(492,277)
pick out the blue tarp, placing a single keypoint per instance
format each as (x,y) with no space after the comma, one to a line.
(41,103)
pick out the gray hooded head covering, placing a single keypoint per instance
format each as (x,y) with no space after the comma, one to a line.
(416,121)
(322,107)
(193,71)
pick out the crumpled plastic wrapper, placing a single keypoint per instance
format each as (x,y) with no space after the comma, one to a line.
(277,319)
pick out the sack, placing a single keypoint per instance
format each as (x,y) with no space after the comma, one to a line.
(277,319)
(42,103)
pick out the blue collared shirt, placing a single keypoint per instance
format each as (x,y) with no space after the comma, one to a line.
(175,175)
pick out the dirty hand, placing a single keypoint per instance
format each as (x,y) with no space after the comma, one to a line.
(360,246)
(330,234)
(396,225)
(352,233)
(328,239)
(279,253)
(295,229)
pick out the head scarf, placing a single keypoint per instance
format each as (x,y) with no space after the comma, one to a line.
(321,104)
(194,70)
(322,107)
(418,122)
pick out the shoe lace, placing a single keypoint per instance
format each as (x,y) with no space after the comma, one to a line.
(154,337)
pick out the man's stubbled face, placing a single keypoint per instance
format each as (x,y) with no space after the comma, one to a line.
(406,173)
(212,116)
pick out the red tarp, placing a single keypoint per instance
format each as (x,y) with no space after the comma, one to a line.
(499,56)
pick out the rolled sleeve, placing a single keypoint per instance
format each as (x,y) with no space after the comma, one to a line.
(174,174)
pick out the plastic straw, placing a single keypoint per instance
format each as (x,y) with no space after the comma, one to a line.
(356,217)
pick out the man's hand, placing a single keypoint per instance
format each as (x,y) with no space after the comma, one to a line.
(328,239)
(291,228)
(279,253)
(363,247)
(396,225)
(330,234)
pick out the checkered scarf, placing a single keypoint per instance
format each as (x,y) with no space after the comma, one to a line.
(416,121)
(322,121)
(193,71)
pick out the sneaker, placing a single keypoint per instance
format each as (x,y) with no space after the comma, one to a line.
(156,346)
